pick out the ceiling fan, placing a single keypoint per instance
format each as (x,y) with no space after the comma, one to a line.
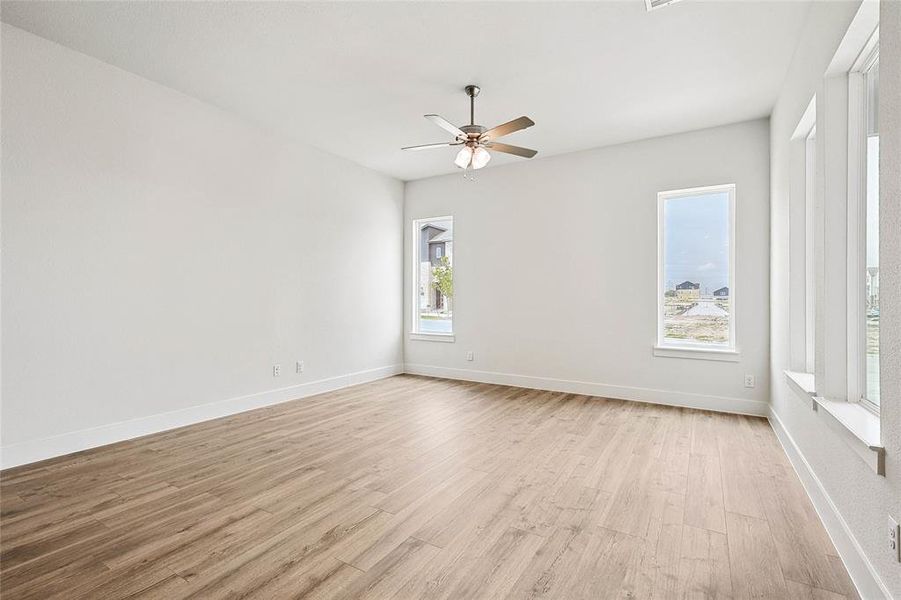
(477,140)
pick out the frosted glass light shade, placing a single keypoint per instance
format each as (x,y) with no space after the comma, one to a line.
(463,157)
(480,158)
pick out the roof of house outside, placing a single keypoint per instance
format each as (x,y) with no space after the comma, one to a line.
(438,227)
(688,285)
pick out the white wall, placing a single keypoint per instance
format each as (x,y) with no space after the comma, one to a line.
(160,255)
(860,499)
(556,269)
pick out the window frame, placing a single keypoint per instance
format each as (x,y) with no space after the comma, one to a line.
(810,211)
(857,222)
(803,225)
(415,333)
(687,349)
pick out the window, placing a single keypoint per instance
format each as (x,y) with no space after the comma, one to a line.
(863,231)
(433,274)
(871,275)
(843,152)
(696,284)
(810,153)
(804,221)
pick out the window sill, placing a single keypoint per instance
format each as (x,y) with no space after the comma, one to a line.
(803,383)
(856,425)
(698,353)
(432,337)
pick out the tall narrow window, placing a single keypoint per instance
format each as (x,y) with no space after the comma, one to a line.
(433,266)
(810,153)
(871,271)
(696,286)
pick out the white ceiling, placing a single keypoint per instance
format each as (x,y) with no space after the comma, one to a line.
(355,78)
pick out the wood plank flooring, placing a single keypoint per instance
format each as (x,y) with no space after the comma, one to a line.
(413,487)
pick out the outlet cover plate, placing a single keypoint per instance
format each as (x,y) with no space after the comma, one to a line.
(894,534)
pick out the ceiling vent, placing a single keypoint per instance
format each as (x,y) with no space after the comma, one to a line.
(652,4)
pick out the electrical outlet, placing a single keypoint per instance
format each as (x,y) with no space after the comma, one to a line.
(750,381)
(298,366)
(894,537)
(469,355)
(276,370)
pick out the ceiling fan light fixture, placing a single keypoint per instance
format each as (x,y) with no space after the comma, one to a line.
(475,139)
(464,157)
(480,158)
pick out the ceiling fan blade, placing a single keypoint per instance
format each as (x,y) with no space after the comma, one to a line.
(508,128)
(517,150)
(446,125)
(430,146)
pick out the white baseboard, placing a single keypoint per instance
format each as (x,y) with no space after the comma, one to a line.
(74,441)
(621,392)
(866,580)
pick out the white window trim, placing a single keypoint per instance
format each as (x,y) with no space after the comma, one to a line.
(802,254)
(810,291)
(858,427)
(701,352)
(857,223)
(432,337)
(830,401)
(804,383)
(683,349)
(415,334)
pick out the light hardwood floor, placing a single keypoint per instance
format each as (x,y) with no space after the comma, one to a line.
(424,488)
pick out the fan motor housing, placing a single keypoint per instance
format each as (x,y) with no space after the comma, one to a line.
(472,134)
